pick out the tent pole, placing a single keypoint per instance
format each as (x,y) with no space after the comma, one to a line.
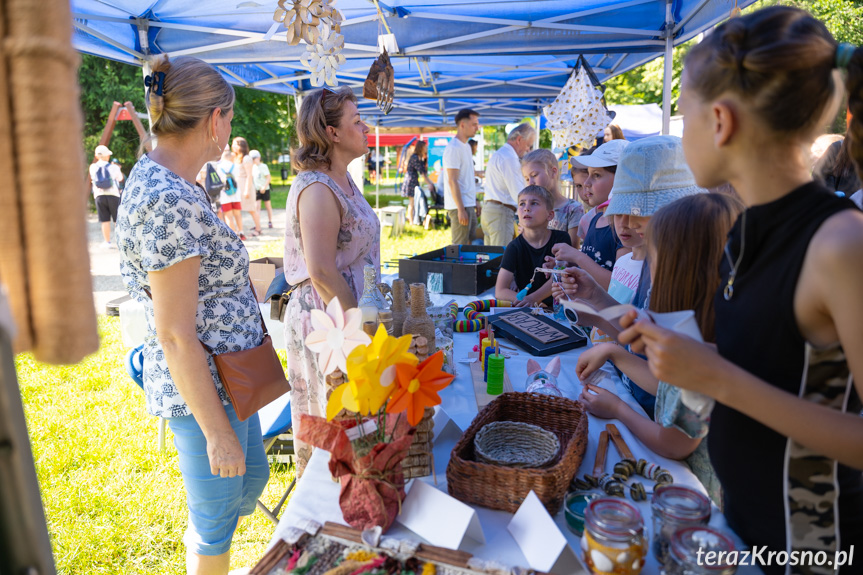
(377,163)
(536,143)
(669,70)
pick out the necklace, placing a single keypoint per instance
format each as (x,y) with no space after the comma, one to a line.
(728,292)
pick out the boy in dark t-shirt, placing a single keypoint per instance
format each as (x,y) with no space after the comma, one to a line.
(528,251)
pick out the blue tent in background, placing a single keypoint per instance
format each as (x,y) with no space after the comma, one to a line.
(505,59)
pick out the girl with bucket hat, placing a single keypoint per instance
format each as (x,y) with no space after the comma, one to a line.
(787,370)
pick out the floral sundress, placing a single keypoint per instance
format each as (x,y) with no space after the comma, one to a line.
(358,245)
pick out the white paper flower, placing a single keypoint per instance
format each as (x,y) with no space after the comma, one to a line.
(324,57)
(336,335)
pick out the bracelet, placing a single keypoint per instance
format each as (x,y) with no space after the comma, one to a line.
(473,313)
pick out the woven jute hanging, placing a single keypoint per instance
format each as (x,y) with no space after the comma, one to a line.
(44,263)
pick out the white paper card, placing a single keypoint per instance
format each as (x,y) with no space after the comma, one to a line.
(438,518)
(366,428)
(538,536)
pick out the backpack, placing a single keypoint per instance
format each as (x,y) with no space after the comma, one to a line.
(213,184)
(103,179)
(230,182)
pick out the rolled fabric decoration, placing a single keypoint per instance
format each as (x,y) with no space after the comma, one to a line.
(473,312)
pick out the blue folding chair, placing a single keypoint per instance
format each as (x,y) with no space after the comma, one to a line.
(135,367)
(275,421)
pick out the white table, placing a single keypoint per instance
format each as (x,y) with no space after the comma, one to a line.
(316,495)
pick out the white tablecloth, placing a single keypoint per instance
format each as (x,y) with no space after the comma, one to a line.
(316,495)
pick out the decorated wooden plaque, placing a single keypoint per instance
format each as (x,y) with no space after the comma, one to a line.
(531,325)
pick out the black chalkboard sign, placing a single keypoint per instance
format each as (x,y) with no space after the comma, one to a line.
(550,337)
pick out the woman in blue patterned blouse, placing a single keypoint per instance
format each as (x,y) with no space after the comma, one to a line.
(190,271)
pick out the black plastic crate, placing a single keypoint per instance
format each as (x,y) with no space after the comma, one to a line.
(462,273)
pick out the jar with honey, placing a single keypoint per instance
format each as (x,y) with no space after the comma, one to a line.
(613,540)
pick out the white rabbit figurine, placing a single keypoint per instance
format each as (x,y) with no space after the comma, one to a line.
(543,380)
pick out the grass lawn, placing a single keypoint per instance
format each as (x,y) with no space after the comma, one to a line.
(114,503)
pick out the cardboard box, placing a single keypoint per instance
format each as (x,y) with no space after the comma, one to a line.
(463,270)
(262,272)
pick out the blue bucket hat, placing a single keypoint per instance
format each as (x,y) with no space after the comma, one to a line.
(652,173)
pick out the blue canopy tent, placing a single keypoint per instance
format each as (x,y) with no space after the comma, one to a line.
(505,59)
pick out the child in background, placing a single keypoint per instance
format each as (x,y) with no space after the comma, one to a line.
(600,248)
(540,168)
(686,240)
(528,250)
(579,176)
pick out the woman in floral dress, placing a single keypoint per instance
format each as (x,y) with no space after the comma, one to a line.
(343,232)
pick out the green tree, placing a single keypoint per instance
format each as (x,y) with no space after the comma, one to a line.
(644,84)
(265,119)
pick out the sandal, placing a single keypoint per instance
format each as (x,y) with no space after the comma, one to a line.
(242,237)
(271,224)
(255,233)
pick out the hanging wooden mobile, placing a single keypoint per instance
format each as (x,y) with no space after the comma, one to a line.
(319,24)
(380,83)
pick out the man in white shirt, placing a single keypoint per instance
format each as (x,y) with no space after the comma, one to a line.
(104,177)
(503,182)
(459,190)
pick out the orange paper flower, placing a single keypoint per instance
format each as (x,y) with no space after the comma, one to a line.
(418,387)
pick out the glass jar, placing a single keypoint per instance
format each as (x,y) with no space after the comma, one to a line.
(613,540)
(371,301)
(675,506)
(695,550)
(574,507)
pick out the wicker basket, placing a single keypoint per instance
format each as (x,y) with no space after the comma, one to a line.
(515,444)
(505,488)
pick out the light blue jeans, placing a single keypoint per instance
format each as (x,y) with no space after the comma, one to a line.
(216,503)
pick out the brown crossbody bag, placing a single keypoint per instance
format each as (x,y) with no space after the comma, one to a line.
(252,377)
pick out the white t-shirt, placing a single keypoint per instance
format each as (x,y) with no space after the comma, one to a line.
(116,176)
(457,156)
(260,173)
(503,179)
(624,278)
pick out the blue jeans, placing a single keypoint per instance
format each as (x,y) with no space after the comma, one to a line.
(216,503)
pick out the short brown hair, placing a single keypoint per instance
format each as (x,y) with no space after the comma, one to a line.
(191,91)
(316,113)
(465,114)
(538,192)
(688,238)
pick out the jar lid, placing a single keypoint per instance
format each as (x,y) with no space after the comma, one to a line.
(688,541)
(613,518)
(680,504)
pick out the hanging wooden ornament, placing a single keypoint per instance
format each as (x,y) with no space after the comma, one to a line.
(318,23)
(380,83)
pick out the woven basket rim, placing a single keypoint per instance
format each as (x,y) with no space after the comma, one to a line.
(545,441)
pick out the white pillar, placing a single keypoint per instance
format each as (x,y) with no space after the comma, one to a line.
(669,70)
(377,166)
(538,120)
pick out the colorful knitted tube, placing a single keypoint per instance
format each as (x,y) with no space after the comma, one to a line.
(473,313)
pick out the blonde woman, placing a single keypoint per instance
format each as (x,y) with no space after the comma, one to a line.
(190,272)
(331,234)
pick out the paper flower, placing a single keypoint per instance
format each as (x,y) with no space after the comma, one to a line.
(371,372)
(336,335)
(418,387)
(324,56)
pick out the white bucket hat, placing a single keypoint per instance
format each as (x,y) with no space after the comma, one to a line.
(652,173)
(604,156)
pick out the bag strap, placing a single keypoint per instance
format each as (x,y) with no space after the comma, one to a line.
(260,315)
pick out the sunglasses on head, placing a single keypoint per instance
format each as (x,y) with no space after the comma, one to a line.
(326,91)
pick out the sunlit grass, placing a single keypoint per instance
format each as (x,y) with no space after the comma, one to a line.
(113,502)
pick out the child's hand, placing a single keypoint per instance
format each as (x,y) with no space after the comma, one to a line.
(593,359)
(565,252)
(577,283)
(600,402)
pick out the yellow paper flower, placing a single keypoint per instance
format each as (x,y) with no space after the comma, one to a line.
(418,387)
(371,371)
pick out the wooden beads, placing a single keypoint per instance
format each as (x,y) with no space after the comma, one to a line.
(615,484)
(637,492)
